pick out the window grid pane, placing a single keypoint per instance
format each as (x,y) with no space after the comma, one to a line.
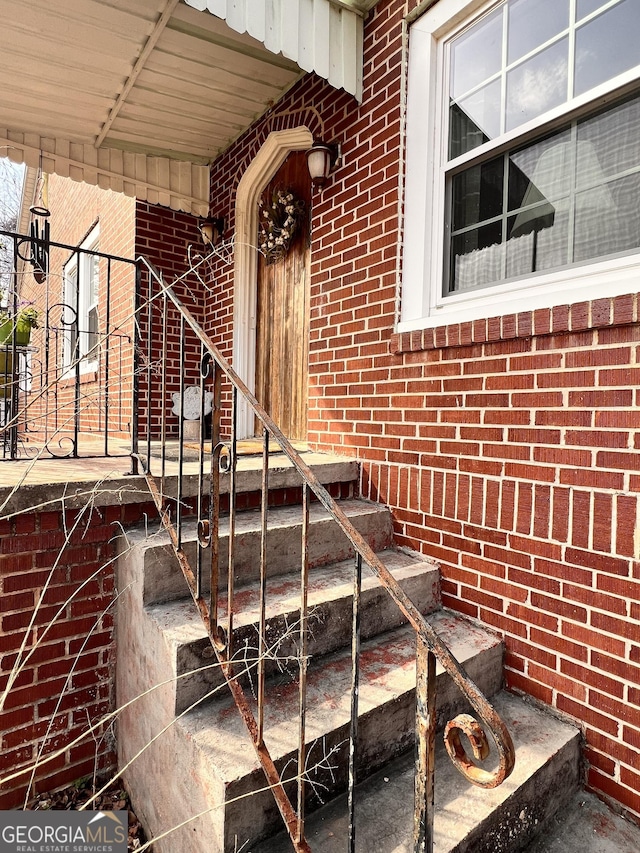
(552,59)
(568,198)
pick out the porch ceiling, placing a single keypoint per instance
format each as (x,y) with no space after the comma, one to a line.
(141,96)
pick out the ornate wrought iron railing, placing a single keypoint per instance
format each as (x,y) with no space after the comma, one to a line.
(65,391)
(162,315)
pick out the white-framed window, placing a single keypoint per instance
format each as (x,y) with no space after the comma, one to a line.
(523,157)
(81,310)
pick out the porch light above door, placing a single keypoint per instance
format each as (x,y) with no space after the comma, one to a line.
(322,157)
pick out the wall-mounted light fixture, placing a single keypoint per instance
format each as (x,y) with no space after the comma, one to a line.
(211,230)
(322,157)
(39,231)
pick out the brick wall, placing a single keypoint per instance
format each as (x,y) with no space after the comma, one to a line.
(65,683)
(127,229)
(507,448)
(514,463)
(164,238)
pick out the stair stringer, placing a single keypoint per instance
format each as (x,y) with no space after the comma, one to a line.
(169,764)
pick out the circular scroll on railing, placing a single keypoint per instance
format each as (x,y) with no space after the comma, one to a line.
(465,724)
(204,532)
(222,453)
(67,447)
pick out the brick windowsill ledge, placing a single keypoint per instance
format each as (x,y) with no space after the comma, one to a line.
(579,317)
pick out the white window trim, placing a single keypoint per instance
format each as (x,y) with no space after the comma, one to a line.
(422,302)
(80,264)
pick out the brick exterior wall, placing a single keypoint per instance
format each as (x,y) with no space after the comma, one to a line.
(128,228)
(514,463)
(66,681)
(163,237)
(507,448)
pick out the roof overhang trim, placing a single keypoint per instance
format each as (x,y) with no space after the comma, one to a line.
(177,184)
(324,36)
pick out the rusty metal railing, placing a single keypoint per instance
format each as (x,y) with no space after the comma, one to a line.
(69,378)
(158,302)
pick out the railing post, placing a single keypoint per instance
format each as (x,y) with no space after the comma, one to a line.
(135,387)
(355,687)
(262,643)
(303,664)
(425,747)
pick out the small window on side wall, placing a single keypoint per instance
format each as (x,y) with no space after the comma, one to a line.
(523,172)
(80,316)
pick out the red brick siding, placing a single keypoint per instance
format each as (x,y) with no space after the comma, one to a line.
(127,229)
(163,237)
(66,681)
(525,488)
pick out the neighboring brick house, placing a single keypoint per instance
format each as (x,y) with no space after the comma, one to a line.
(473,323)
(86,305)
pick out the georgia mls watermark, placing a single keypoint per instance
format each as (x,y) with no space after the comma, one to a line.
(63,832)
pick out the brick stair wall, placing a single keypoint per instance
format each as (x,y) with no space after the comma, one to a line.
(76,657)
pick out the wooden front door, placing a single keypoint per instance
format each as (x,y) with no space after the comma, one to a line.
(282,323)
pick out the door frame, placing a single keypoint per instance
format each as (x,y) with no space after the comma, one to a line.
(275,150)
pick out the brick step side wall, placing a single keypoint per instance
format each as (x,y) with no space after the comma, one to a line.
(57,588)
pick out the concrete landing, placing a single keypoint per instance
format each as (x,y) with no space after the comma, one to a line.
(587,825)
(37,482)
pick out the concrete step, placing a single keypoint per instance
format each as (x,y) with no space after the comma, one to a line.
(220,743)
(162,578)
(330,601)
(331,470)
(467,819)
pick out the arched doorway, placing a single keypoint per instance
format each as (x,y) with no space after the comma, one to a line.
(282,308)
(258,176)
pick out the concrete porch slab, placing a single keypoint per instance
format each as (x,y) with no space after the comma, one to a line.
(41,483)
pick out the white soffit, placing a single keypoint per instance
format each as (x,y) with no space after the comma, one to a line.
(177,184)
(139,96)
(324,36)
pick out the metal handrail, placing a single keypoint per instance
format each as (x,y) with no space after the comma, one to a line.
(430,645)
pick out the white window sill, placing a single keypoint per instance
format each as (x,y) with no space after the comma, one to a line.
(603,279)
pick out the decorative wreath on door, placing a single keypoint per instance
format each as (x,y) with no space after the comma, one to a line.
(279,223)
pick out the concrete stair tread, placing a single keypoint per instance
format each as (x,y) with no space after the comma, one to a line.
(587,825)
(180,622)
(162,578)
(289,516)
(467,818)
(387,673)
(248,521)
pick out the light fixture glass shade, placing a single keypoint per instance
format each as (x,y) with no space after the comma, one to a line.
(211,230)
(319,161)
